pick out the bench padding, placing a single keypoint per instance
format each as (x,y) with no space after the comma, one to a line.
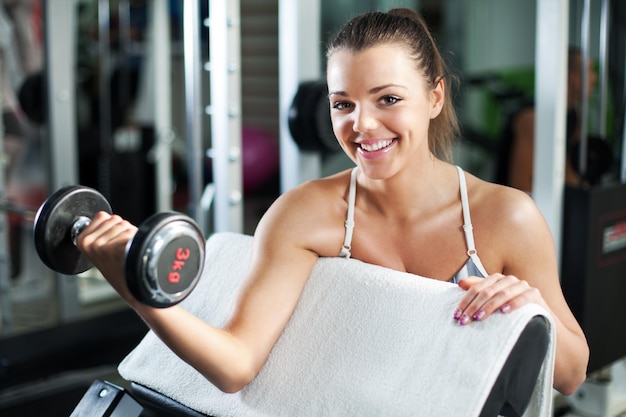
(364,340)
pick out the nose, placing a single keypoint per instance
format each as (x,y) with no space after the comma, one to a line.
(364,120)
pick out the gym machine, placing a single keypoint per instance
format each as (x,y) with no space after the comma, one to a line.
(593,249)
(299,63)
(71,336)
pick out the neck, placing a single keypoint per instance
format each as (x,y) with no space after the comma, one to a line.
(411,192)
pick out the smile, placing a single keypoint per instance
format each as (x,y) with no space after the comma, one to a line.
(373,147)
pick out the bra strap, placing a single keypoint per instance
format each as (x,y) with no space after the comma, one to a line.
(347,241)
(467,221)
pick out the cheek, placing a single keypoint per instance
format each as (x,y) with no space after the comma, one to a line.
(415,122)
(341,126)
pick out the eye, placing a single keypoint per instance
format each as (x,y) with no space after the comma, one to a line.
(340,105)
(389,100)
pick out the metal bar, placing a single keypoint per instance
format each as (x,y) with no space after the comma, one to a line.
(6,303)
(551,41)
(7,206)
(160,46)
(299,40)
(584,104)
(605,24)
(60,26)
(104,111)
(623,159)
(225,76)
(193,104)
(124,42)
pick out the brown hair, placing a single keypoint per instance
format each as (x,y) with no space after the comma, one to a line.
(406,27)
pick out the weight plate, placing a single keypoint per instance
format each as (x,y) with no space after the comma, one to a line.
(309,118)
(53,224)
(165,259)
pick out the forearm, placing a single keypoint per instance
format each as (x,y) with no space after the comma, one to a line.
(572,357)
(213,352)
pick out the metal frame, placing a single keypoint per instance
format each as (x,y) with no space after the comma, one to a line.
(225,112)
(193,104)
(622,172)
(6,310)
(584,103)
(104,110)
(155,99)
(160,51)
(550,95)
(59,36)
(605,24)
(299,60)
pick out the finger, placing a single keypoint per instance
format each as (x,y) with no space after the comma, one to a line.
(105,231)
(526,295)
(501,296)
(473,286)
(467,283)
(97,225)
(486,296)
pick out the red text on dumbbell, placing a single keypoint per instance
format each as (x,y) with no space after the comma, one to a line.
(182,254)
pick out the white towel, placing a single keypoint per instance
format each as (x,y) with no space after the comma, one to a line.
(363,341)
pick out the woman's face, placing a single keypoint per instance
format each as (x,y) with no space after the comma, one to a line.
(381,107)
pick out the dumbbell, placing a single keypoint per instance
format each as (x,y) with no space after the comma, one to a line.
(164,259)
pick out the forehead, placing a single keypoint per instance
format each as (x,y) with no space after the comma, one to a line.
(378,65)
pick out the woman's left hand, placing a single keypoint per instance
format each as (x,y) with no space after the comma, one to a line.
(496,293)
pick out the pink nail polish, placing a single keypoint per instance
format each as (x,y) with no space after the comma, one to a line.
(457,314)
(463,320)
(505,308)
(479,314)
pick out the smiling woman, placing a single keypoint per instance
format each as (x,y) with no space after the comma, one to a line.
(369,114)
(404,207)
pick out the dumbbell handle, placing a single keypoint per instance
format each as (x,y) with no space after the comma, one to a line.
(79,225)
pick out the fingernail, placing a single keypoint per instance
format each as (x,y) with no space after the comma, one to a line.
(479,314)
(505,308)
(463,320)
(457,314)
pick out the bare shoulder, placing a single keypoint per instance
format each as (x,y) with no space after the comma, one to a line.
(507,224)
(500,203)
(310,216)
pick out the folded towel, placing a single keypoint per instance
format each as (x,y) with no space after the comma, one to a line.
(364,340)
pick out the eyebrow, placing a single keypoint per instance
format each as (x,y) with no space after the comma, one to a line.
(373,90)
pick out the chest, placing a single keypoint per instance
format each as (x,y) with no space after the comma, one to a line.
(435,248)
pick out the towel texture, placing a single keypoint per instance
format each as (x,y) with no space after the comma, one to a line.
(363,341)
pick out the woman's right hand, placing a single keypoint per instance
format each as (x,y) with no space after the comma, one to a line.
(104,242)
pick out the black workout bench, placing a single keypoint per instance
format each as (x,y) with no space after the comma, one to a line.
(509,396)
(104,399)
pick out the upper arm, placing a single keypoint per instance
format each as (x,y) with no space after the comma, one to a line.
(529,253)
(282,259)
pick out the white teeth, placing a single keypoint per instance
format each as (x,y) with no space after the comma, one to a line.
(375,146)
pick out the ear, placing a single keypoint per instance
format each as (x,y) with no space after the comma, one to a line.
(437,98)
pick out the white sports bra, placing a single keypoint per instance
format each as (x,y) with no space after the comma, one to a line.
(473,266)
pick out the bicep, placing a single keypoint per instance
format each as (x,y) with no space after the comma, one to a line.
(268,301)
(531,256)
(281,262)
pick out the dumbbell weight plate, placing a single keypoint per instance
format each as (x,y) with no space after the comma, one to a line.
(164,260)
(53,224)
